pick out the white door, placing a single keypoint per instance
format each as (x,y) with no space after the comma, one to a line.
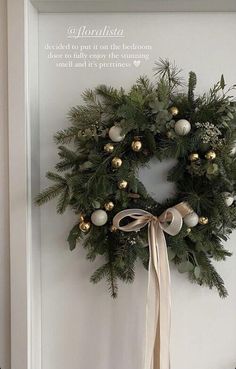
(82,327)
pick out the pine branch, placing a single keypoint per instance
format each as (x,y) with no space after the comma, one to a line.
(55,177)
(65,136)
(64,165)
(209,275)
(164,69)
(66,153)
(143,85)
(90,97)
(109,95)
(49,193)
(73,237)
(106,271)
(100,273)
(64,200)
(112,280)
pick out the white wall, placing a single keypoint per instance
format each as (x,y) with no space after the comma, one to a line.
(82,328)
(4,222)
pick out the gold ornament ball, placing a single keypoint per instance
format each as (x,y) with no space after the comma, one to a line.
(109,148)
(210,155)
(122,184)
(189,230)
(174,110)
(113,229)
(193,156)
(116,162)
(203,220)
(81,218)
(136,145)
(85,226)
(109,206)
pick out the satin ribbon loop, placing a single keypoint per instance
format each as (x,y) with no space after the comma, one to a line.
(170,221)
(142,218)
(158,306)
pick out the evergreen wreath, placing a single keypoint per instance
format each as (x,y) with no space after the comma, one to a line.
(113,135)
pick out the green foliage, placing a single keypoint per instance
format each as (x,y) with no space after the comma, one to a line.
(168,73)
(192,82)
(84,178)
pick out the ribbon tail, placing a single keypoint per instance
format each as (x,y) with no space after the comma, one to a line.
(152,306)
(162,342)
(158,303)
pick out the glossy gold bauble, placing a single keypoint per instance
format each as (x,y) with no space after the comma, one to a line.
(174,110)
(122,184)
(210,155)
(203,220)
(116,162)
(109,206)
(136,145)
(113,228)
(193,156)
(85,226)
(109,147)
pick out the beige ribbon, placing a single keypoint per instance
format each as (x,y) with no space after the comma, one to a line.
(158,306)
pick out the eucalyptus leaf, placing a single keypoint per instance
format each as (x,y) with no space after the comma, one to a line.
(185,267)
(171,253)
(197,272)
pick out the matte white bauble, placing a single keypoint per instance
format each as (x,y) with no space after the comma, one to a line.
(228,198)
(115,134)
(191,220)
(182,127)
(99,217)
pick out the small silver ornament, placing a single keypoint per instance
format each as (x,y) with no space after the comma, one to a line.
(99,217)
(182,127)
(228,198)
(191,220)
(115,134)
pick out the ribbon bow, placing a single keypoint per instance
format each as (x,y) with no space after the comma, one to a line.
(158,306)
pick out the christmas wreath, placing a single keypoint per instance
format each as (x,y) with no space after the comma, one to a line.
(114,134)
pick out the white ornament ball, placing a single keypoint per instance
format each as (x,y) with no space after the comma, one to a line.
(182,127)
(191,220)
(115,134)
(99,217)
(228,198)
